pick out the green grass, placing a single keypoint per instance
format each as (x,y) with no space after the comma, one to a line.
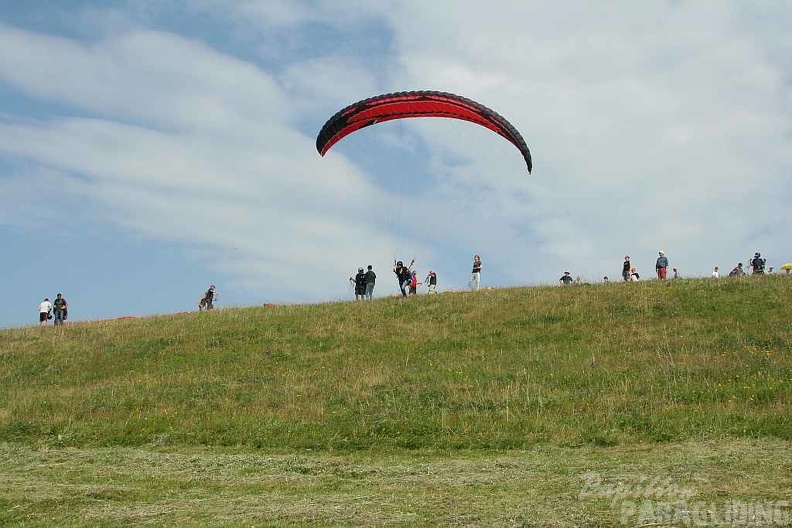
(627,371)
(233,487)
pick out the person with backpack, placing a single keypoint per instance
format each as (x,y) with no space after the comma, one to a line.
(404,275)
(360,284)
(758,264)
(61,309)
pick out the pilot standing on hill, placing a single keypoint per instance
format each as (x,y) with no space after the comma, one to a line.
(475,275)
(404,275)
(360,284)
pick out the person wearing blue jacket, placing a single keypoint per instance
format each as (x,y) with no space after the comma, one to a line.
(661,265)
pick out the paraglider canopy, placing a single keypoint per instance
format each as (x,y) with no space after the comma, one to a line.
(401,105)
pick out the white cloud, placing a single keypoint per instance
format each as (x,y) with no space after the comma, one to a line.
(160,78)
(650,124)
(191,145)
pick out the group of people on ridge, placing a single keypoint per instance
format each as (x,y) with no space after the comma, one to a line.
(408,277)
(364,283)
(630,273)
(58,310)
(757,264)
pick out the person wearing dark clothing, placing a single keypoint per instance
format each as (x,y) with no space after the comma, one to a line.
(371,278)
(404,275)
(60,309)
(758,264)
(566,279)
(208,299)
(475,275)
(360,284)
(431,281)
(626,268)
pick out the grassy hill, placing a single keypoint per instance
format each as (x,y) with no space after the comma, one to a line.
(599,364)
(574,372)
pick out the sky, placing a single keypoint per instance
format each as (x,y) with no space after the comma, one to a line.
(150,148)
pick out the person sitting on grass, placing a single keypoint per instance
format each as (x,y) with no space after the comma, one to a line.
(737,271)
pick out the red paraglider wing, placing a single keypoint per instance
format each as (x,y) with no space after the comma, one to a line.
(403,105)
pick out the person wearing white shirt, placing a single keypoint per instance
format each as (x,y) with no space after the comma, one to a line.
(44,311)
(715,273)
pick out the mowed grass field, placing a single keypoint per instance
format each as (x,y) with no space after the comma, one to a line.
(491,408)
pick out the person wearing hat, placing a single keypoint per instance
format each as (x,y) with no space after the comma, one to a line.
(661,265)
(475,275)
(360,284)
(626,268)
(758,264)
(403,275)
(566,279)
